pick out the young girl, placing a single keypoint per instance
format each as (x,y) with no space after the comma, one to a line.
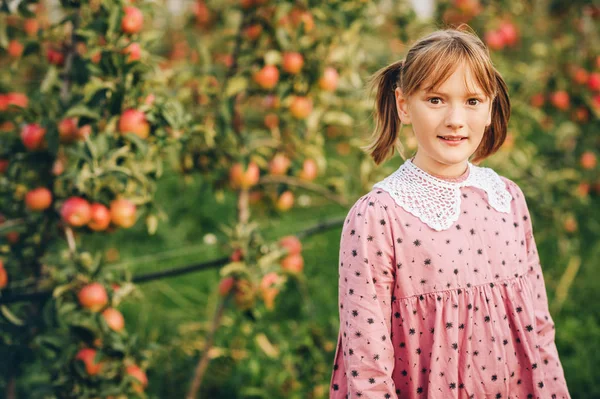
(441,292)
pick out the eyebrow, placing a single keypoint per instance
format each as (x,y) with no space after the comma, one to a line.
(446,94)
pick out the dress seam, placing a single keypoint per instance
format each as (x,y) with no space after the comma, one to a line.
(466,288)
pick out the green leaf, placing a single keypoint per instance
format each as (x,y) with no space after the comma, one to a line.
(81,110)
(94,86)
(236,85)
(337,118)
(113,20)
(10,316)
(3,33)
(139,142)
(59,290)
(50,79)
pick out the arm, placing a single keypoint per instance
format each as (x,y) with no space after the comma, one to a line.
(366,283)
(555,381)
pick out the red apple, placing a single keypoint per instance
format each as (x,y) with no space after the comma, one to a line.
(560,99)
(268,291)
(4,165)
(244,179)
(133,20)
(135,52)
(301,107)
(279,165)
(139,375)
(225,285)
(580,75)
(469,7)
(100,219)
(3,276)
(83,132)
(58,167)
(15,48)
(33,136)
(537,100)
(594,81)
(285,201)
(329,80)
(201,12)
(494,40)
(87,356)
(237,255)
(31,27)
(267,77)
(12,237)
(38,199)
(134,121)
(55,57)
(292,62)
(298,16)
(93,297)
(253,31)
(309,170)
(271,120)
(114,319)
(76,211)
(292,244)
(570,224)
(596,101)
(509,33)
(96,57)
(293,263)
(583,189)
(18,99)
(67,130)
(123,212)
(588,160)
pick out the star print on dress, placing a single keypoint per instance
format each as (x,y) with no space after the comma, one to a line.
(440,314)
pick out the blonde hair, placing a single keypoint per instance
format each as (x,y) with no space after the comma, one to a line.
(434,58)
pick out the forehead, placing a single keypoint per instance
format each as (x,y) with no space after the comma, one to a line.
(460,79)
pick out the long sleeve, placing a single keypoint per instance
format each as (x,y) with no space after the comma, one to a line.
(366,283)
(555,383)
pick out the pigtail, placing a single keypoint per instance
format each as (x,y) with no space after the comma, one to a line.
(495,134)
(387,122)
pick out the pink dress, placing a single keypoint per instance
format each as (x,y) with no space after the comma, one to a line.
(449,304)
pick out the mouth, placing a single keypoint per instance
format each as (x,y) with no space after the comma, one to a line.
(452,139)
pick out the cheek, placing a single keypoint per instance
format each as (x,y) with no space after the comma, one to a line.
(478,120)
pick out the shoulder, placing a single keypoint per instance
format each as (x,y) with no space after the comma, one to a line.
(518,200)
(512,187)
(373,205)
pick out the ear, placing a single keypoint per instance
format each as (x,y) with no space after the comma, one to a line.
(402,106)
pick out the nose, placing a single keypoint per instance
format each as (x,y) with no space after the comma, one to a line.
(455,118)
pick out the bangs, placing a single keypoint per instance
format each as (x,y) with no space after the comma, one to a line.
(441,59)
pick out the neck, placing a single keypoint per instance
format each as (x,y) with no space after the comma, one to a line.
(440,170)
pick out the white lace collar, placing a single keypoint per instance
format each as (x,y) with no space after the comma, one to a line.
(437,201)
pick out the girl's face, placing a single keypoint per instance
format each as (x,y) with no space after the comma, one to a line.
(450,110)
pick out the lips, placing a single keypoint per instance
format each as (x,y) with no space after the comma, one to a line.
(452,138)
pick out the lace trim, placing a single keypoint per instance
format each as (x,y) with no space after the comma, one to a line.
(436,201)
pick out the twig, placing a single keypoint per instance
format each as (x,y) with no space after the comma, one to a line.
(204,359)
(293,181)
(13,297)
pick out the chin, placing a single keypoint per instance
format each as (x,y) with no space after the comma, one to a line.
(452,159)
